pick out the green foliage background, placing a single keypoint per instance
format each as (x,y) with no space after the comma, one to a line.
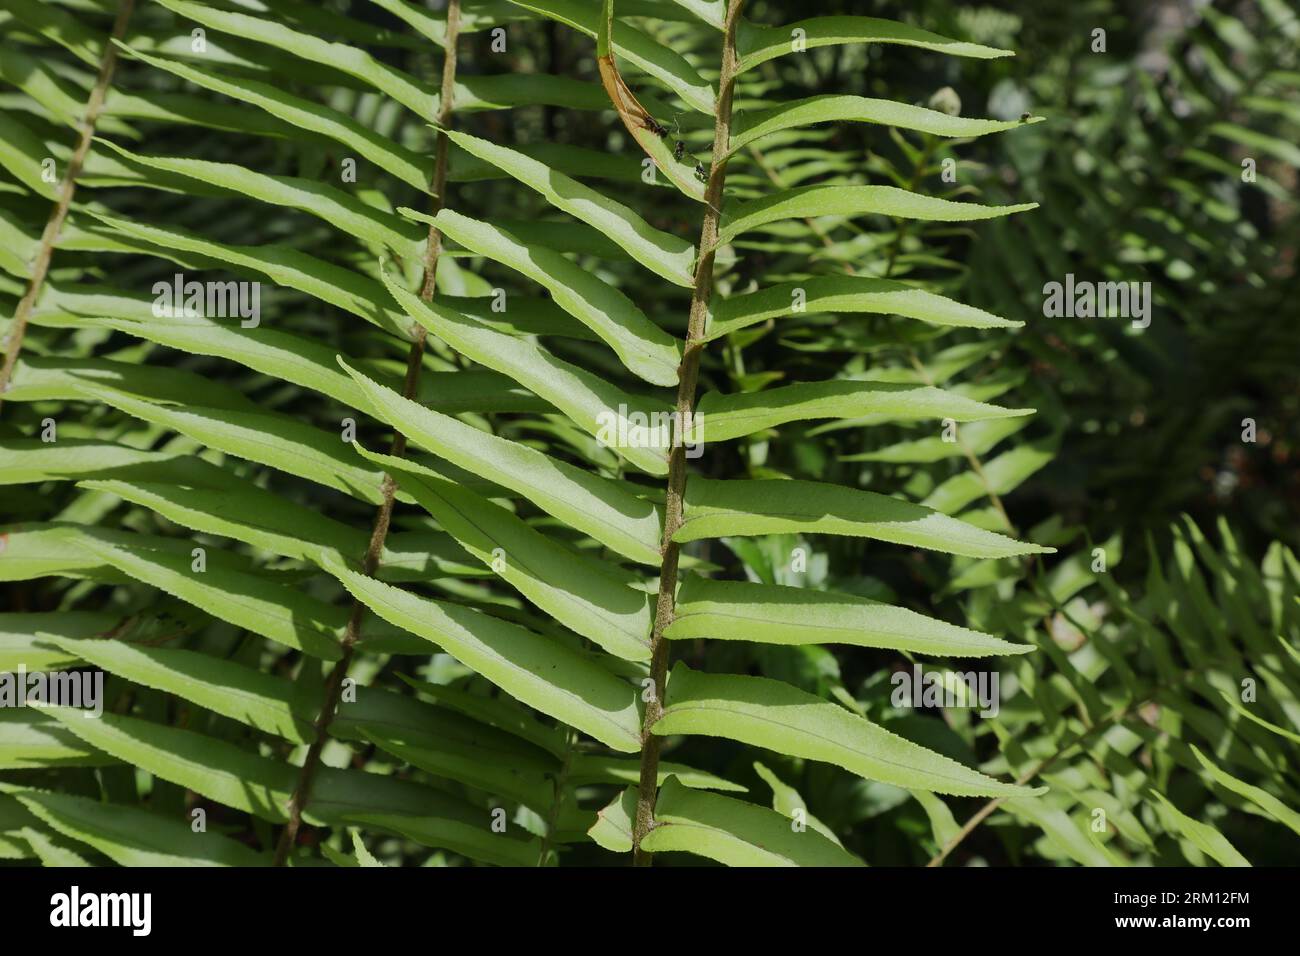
(1155,718)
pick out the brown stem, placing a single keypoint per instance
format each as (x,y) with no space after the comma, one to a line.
(687,378)
(383,518)
(67,188)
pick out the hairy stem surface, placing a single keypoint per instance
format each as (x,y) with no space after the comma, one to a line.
(688,377)
(67,189)
(383,518)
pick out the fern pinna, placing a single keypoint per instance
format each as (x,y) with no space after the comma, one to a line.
(464,644)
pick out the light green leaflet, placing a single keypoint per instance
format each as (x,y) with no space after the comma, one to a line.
(364,857)
(716,509)
(339,858)
(21,152)
(514,90)
(51,853)
(1071,837)
(572,160)
(752,126)
(417,720)
(463,761)
(613,827)
(594,405)
(1256,795)
(660,252)
(534,669)
(532,787)
(605,768)
(521,315)
(723,417)
(259,785)
(241,693)
(474,92)
(15,819)
(267,438)
(954,359)
(641,345)
(1001,475)
(422,555)
(334,206)
(262,605)
(393,158)
(991,385)
(978,438)
(20,645)
(81,537)
(60,100)
(601,507)
(340,56)
(845,294)
(578,591)
(809,202)
(246,512)
(772,614)
(282,354)
(35,550)
(267,704)
(433,25)
(192,110)
(712,12)
(57,24)
(214,768)
(735,833)
(133,837)
(501,713)
(772,714)
(322,19)
(64,379)
(635,47)
(31,739)
(787,801)
(758,44)
(358,294)
(1201,835)
(1075,573)
(25,461)
(943,826)
(18,243)
(471,836)
(560,235)
(105,168)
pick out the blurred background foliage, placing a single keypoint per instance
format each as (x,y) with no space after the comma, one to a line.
(1138,171)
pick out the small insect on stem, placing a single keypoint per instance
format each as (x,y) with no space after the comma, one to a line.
(700,173)
(1024,117)
(679,150)
(654,126)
